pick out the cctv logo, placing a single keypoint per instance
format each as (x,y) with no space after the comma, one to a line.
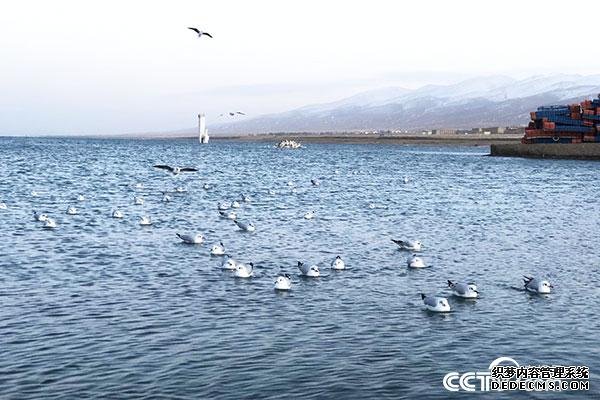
(471,381)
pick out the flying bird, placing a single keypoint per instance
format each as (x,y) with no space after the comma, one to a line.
(176,170)
(200,33)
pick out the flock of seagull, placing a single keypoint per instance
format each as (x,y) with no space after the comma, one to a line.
(283,281)
(465,290)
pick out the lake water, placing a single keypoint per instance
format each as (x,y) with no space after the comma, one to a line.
(104,308)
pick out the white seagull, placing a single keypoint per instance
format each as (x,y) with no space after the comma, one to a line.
(245,198)
(248,227)
(415,262)
(235,204)
(228,214)
(80,197)
(117,214)
(191,239)
(436,304)
(218,249)
(461,289)
(224,206)
(312,271)
(243,270)
(166,198)
(200,33)
(145,220)
(175,170)
(412,245)
(338,263)
(228,263)
(3,206)
(283,282)
(315,182)
(72,210)
(309,215)
(40,217)
(49,223)
(138,201)
(537,285)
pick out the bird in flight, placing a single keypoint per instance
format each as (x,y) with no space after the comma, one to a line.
(176,170)
(200,33)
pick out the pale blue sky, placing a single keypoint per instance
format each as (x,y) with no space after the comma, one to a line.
(70,67)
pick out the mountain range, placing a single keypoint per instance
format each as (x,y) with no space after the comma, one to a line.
(479,102)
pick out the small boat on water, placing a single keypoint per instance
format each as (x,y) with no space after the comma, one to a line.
(288,144)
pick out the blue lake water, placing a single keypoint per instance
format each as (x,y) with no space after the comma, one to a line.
(104,308)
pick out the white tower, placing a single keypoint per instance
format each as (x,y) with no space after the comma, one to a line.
(202,131)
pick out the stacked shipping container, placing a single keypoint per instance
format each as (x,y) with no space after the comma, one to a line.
(575,123)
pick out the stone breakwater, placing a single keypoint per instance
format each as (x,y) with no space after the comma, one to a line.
(583,151)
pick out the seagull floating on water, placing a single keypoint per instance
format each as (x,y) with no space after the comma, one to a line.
(175,170)
(245,198)
(72,210)
(224,206)
(191,239)
(145,220)
(412,245)
(283,282)
(3,206)
(248,227)
(138,201)
(228,214)
(40,217)
(338,264)
(218,249)
(117,214)
(166,198)
(315,182)
(228,263)
(461,289)
(312,271)
(436,304)
(309,215)
(81,198)
(235,204)
(415,261)
(206,186)
(200,33)
(49,223)
(180,189)
(243,270)
(537,285)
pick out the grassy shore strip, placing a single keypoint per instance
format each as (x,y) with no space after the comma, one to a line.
(415,139)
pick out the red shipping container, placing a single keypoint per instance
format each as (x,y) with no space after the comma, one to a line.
(549,125)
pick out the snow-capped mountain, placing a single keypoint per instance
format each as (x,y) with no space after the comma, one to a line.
(485,101)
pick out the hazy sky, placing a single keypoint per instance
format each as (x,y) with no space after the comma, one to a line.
(132,66)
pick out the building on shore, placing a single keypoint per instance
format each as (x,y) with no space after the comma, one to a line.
(443,131)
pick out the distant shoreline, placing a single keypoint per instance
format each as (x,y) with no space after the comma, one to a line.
(325,138)
(405,139)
